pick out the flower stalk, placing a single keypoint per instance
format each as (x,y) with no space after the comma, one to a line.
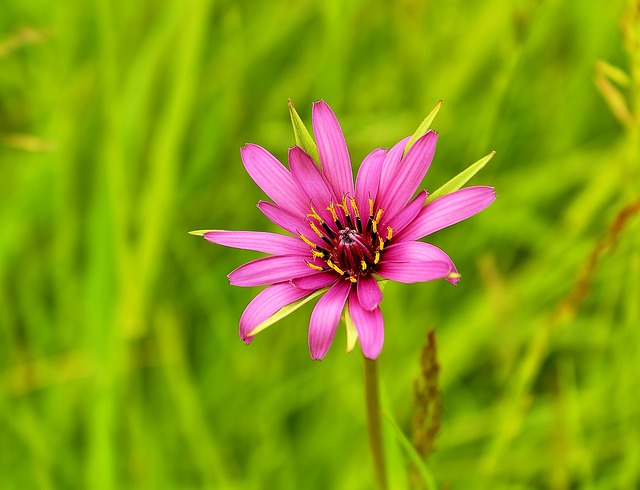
(372,393)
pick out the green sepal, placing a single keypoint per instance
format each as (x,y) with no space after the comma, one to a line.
(416,459)
(199,232)
(461,179)
(303,138)
(285,311)
(424,127)
(352,335)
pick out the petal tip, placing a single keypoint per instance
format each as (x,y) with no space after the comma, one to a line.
(317,356)
(201,233)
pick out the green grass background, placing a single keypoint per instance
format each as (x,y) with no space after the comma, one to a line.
(120,125)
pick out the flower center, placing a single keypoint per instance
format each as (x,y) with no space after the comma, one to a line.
(349,247)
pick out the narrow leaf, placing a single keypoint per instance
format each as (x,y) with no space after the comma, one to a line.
(616,102)
(199,232)
(461,179)
(413,455)
(285,311)
(303,138)
(352,335)
(424,127)
(613,73)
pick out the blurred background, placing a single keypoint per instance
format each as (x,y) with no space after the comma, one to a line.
(120,129)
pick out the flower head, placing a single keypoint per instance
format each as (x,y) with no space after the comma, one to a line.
(344,235)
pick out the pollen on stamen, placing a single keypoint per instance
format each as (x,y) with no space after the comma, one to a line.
(332,209)
(314,214)
(315,228)
(314,266)
(345,208)
(354,206)
(335,267)
(307,241)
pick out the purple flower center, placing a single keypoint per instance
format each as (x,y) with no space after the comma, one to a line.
(349,247)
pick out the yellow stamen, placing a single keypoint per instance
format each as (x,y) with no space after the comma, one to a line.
(380,243)
(374,224)
(353,279)
(335,267)
(344,206)
(315,215)
(379,214)
(376,259)
(318,254)
(363,264)
(307,241)
(332,210)
(315,228)
(370,207)
(389,233)
(354,206)
(314,266)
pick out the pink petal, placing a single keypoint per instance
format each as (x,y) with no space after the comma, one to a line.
(418,251)
(369,293)
(266,304)
(273,178)
(260,241)
(448,210)
(325,318)
(368,179)
(270,270)
(408,174)
(415,271)
(389,167)
(407,214)
(369,326)
(334,155)
(287,221)
(308,176)
(316,281)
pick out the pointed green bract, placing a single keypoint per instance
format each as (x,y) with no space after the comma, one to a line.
(303,138)
(352,335)
(461,179)
(286,311)
(413,455)
(613,73)
(424,127)
(199,232)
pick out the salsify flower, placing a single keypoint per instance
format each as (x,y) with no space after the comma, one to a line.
(344,235)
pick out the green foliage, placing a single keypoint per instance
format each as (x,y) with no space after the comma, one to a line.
(120,129)
(302,135)
(461,179)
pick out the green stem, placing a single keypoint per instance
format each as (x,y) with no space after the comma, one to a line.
(373,417)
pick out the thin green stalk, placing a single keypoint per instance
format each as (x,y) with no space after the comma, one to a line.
(373,418)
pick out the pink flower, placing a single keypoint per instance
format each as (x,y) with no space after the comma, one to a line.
(344,235)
